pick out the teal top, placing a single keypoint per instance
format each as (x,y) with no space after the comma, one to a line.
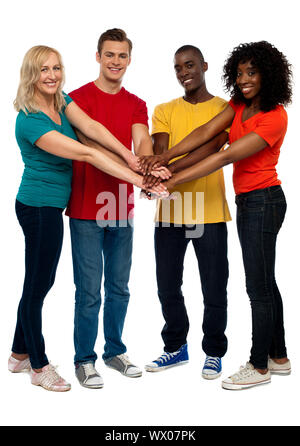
(46,180)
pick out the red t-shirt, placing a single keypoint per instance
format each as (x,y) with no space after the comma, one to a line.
(117,112)
(259,170)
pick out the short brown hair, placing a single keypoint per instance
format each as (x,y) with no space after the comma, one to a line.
(115,34)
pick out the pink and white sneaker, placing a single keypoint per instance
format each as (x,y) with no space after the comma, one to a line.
(49,379)
(17,366)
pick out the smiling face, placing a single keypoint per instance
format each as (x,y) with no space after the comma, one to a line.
(248,80)
(50,76)
(114,60)
(190,69)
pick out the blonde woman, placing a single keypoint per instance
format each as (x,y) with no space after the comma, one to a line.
(48,145)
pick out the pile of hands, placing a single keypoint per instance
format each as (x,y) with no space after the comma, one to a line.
(157,177)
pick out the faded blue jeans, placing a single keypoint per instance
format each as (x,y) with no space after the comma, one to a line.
(95,250)
(260,214)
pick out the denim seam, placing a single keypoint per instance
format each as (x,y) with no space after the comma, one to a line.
(35,267)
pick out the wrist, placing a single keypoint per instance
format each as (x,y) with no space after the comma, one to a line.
(128,156)
(172,168)
(167,156)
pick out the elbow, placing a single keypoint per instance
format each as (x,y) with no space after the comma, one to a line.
(87,155)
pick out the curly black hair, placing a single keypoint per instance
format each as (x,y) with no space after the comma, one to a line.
(275,71)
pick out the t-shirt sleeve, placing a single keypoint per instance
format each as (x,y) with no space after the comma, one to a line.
(34,126)
(68,98)
(140,115)
(80,99)
(272,126)
(160,123)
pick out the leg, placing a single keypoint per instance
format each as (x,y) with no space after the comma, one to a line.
(87,244)
(117,251)
(211,252)
(43,230)
(170,248)
(259,219)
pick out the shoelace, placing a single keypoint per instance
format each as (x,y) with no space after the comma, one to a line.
(212,362)
(245,370)
(124,358)
(166,356)
(49,376)
(89,369)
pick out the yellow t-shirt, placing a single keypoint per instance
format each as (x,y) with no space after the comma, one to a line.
(198,201)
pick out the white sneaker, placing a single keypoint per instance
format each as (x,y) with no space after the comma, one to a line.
(122,364)
(246,377)
(88,376)
(279,369)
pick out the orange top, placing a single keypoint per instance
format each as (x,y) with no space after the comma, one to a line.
(258,171)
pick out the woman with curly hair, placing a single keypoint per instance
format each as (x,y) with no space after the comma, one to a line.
(258,78)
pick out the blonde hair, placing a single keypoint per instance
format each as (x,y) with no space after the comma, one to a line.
(30,74)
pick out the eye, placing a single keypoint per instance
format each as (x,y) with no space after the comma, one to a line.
(190,65)
(44,69)
(56,68)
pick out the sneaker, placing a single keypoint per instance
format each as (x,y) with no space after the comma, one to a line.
(122,364)
(246,377)
(167,360)
(17,366)
(49,379)
(279,369)
(212,368)
(88,376)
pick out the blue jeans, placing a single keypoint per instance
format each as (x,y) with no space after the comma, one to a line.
(43,231)
(96,250)
(260,214)
(211,252)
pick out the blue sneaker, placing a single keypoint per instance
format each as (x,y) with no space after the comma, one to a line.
(212,368)
(167,360)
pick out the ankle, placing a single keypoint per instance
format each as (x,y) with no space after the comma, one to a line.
(280,360)
(262,371)
(19,356)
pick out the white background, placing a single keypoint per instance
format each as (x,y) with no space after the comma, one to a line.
(178,396)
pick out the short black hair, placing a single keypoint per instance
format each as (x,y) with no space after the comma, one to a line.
(275,71)
(196,50)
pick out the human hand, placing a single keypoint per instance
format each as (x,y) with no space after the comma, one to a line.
(156,176)
(162,172)
(149,163)
(133,163)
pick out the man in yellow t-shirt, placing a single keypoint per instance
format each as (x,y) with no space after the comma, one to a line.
(198,214)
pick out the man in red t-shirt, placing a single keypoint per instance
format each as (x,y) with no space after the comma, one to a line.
(101,215)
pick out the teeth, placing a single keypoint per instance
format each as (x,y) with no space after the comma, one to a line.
(187,81)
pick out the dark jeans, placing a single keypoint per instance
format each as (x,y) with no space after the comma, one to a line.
(211,251)
(43,231)
(260,214)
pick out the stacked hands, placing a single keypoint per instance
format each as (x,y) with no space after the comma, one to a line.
(157,181)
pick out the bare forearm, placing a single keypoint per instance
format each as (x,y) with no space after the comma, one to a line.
(201,169)
(243,148)
(144,148)
(199,154)
(91,143)
(101,135)
(191,142)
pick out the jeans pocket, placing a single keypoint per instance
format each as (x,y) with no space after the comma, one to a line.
(274,217)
